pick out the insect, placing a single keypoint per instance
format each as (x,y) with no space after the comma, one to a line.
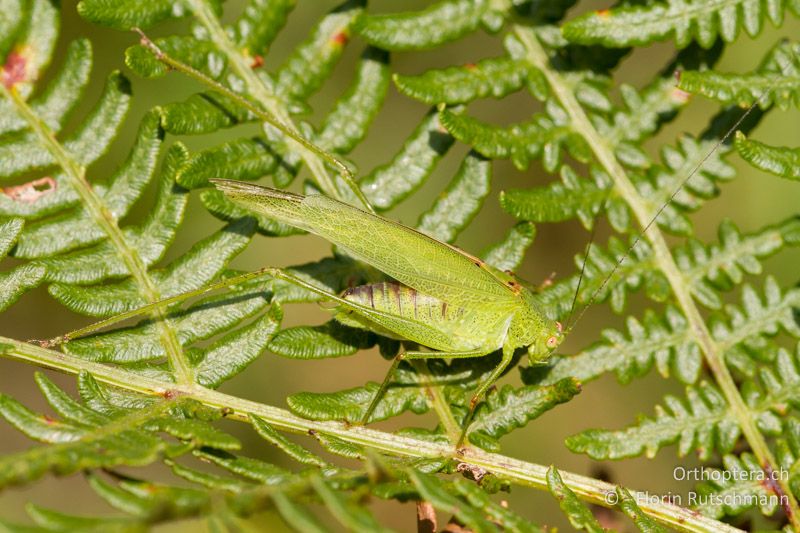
(443,298)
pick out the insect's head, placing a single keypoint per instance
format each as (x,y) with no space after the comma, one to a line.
(545,343)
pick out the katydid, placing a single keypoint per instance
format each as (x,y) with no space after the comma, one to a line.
(443,298)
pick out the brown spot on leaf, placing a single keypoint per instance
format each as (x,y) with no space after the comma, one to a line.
(15,69)
(470,66)
(340,38)
(679,95)
(256,61)
(603,13)
(28,193)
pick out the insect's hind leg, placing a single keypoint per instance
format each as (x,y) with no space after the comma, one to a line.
(508,355)
(409,356)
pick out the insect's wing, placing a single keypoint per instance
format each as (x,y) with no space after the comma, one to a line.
(414,259)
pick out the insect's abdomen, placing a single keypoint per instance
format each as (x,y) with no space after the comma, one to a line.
(403,301)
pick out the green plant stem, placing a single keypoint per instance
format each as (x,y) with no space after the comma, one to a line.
(76,174)
(520,472)
(437,401)
(713,353)
(277,116)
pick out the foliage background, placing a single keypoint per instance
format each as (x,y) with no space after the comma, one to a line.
(754,199)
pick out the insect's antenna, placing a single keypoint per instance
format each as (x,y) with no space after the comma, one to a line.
(583,270)
(661,209)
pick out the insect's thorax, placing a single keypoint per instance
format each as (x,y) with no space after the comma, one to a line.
(458,328)
(531,328)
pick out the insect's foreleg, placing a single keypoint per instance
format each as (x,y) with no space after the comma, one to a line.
(508,355)
(412,355)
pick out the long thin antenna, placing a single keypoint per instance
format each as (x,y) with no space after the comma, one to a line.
(583,270)
(680,187)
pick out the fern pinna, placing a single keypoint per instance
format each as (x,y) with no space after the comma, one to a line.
(147,392)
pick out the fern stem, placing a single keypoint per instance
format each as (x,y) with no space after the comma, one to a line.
(437,401)
(521,472)
(713,353)
(76,173)
(277,116)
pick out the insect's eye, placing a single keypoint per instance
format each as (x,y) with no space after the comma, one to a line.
(552,342)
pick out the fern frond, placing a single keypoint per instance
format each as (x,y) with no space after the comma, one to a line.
(678,20)
(495,77)
(439,23)
(389,184)
(664,341)
(779,160)
(739,486)
(776,81)
(579,516)
(14,283)
(708,268)
(702,421)
(84,438)
(154,402)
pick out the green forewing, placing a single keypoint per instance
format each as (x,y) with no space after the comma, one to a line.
(410,257)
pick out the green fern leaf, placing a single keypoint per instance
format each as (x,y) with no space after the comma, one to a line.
(19,280)
(50,520)
(628,505)
(641,25)
(775,81)
(351,404)
(781,161)
(701,422)
(77,229)
(495,77)
(346,124)
(331,339)
(61,96)
(197,267)
(312,61)
(556,202)
(297,516)
(295,451)
(736,488)
(479,499)
(521,142)
(509,253)
(87,438)
(460,202)
(349,514)
(202,320)
(389,184)
(232,353)
(150,502)
(251,469)
(439,23)
(86,144)
(127,14)
(507,409)
(578,514)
